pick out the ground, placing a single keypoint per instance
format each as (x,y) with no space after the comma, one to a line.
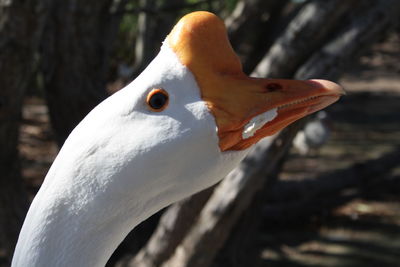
(363,228)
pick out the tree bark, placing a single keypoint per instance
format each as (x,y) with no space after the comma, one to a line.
(252,29)
(370,21)
(154,23)
(20,29)
(144,47)
(302,36)
(75,54)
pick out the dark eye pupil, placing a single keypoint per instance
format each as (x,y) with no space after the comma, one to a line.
(158,100)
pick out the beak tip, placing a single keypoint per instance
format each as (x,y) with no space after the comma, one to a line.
(329,86)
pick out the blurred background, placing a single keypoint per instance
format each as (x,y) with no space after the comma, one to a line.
(330,199)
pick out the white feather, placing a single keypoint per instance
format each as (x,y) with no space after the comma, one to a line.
(121,164)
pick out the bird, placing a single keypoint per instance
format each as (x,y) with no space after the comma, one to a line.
(182,125)
(314,135)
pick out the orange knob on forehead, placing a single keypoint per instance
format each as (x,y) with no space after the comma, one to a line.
(201,43)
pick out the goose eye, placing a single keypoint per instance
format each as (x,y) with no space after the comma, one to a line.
(157,100)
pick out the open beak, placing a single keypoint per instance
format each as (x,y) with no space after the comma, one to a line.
(245,109)
(262,107)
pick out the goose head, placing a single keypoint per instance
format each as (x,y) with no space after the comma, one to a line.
(182,125)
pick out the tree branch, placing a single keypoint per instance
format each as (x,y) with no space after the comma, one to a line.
(303,35)
(370,21)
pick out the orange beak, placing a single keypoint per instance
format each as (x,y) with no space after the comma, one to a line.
(245,109)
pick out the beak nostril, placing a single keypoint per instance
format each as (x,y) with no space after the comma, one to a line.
(272,87)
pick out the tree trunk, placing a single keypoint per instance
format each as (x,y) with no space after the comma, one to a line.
(144,47)
(302,36)
(75,53)
(252,29)
(20,28)
(154,23)
(370,21)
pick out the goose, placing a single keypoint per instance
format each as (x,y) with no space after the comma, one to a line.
(182,125)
